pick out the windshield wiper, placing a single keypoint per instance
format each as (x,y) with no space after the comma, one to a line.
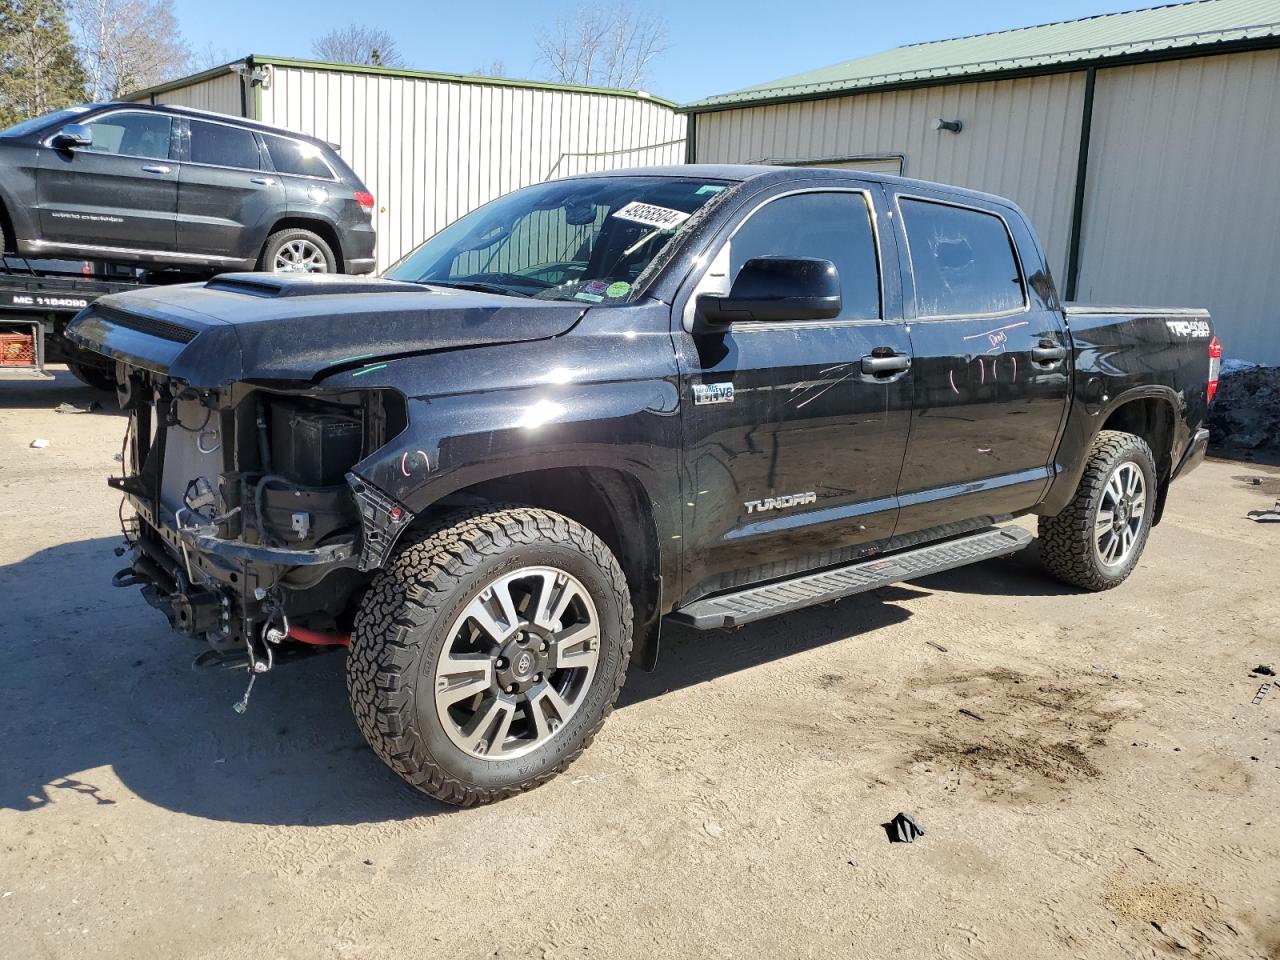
(477,285)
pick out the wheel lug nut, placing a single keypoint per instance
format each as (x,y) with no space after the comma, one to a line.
(511,688)
(537,678)
(500,663)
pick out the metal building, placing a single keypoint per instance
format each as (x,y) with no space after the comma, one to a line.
(433,146)
(1142,145)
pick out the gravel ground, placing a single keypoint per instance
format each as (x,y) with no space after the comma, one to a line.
(1093,774)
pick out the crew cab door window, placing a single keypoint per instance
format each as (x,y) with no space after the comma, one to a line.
(131,135)
(792,447)
(962,260)
(219,145)
(987,409)
(828,225)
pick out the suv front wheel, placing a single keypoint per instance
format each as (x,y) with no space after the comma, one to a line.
(489,652)
(294,250)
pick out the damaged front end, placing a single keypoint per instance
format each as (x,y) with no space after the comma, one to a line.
(251,522)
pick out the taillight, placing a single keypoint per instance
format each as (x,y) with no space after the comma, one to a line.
(365,199)
(1215,365)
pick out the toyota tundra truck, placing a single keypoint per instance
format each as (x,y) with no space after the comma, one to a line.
(699,394)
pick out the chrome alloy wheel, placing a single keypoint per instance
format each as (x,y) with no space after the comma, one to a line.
(299,256)
(517,663)
(1121,512)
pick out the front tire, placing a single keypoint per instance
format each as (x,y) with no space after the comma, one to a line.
(91,375)
(489,652)
(294,250)
(1097,539)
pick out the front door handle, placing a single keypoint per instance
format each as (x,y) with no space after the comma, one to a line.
(265,181)
(1048,352)
(878,363)
(155,168)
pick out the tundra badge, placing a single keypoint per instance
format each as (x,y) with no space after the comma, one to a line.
(780,503)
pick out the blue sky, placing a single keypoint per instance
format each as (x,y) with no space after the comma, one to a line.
(716,45)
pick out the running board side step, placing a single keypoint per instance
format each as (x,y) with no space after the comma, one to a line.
(756,603)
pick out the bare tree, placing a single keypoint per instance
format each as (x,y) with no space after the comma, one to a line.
(128,44)
(208,57)
(363,46)
(497,68)
(610,45)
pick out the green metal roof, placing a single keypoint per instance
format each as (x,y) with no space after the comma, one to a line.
(1173,29)
(260,60)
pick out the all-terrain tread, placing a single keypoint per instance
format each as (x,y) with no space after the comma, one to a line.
(1066,544)
(411,593)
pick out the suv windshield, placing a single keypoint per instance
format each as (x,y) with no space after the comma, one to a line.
(48,119)
(583,239)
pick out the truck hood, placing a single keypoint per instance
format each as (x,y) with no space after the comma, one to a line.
(267,327)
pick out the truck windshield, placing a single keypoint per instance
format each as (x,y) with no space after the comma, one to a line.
(584,239)
(47,120)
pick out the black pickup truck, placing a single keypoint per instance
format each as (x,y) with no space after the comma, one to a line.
(708,394)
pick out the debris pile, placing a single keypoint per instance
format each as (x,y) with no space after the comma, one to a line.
(1245,414)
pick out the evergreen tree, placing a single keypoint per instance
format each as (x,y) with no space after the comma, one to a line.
(39,69)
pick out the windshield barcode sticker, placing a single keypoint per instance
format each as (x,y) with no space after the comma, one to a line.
(662,218)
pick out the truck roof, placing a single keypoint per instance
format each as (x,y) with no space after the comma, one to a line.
(768,173)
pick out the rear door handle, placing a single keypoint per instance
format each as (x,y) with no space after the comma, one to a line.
(265,181)
(885,363)
(1048,352)
(156,168)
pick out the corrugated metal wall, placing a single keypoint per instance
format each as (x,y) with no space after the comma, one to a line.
(431,151)
(1183,195)
(221,94)
(1020,140)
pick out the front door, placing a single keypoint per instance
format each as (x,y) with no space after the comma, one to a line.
(118,193)
(792,448)
(225,198)
(990,367)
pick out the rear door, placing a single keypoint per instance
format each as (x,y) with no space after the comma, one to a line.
(119,193)
(227,199)
(792,451)
(991,375)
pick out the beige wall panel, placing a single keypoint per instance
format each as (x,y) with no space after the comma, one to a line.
(1020,140)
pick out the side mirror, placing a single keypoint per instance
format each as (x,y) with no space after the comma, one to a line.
(777,288)
(73,135)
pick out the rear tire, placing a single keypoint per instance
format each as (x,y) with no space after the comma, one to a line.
(1097,539)
(294,250)
(464,704)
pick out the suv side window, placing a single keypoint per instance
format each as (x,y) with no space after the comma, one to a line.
(962,261)
(222,146)
(829,225)
(132,135)
(300,159)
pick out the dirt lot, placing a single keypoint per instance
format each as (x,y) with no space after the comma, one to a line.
(1092,773)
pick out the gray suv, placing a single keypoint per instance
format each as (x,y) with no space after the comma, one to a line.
(162,186)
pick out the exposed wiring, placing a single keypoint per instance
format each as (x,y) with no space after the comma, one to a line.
(177,421)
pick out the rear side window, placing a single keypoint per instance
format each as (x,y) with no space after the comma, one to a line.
(962,261)
(301,159)
(829,226)
(132,135)
(223,146)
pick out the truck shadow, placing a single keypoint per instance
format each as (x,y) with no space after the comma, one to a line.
(1017,575)
(34,394)
(99,694)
